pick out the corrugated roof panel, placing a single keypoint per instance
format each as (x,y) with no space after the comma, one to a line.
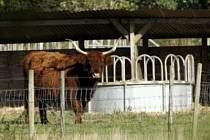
(34,31)
(145,13)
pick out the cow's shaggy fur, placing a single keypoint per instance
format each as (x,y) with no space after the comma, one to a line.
(79,70)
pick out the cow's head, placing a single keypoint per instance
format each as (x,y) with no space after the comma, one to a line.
(95,61)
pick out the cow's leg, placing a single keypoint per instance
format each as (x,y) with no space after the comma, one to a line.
(84,103)
(78,110)
(26,109)
(43,112)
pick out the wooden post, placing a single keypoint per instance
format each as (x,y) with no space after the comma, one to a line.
(170,107)
(31,104)
(196,104)
(62,102)
(82,44)
(204,52)
(145,44)
(132,51)
(204,61)
(136,71)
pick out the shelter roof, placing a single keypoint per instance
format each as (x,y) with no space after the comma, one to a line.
(28,26)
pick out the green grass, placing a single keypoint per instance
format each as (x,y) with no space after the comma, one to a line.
(117,126)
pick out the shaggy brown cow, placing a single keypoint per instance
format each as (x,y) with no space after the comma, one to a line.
(82,72)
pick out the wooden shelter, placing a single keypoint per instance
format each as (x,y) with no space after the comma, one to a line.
(144,24)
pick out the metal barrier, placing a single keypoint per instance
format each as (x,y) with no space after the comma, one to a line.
(184,69)
(117,61)
(146,58)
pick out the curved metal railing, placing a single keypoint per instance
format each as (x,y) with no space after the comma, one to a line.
(152,68)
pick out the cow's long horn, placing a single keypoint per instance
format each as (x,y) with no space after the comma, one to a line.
(77,47)
(113,48)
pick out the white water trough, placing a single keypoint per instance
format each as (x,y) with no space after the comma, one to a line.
(144,95)
(141,98)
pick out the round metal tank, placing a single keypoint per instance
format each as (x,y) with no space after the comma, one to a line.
(141,98)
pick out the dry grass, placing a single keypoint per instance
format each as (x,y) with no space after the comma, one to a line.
(11,110)
(99,126)
(115,135)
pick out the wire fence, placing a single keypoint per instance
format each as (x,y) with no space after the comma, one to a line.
(128,114)
(12,111)
(205,93)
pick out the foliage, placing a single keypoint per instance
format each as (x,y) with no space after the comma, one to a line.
(186,4)
(97,5)
(168,4)
(117,4)
(81,5)
(32,5)
(189,4)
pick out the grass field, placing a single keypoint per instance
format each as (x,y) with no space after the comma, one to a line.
(117,126)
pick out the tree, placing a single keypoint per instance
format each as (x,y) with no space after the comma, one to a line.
(81,5)
(97,5)
(167,4)
(172,4)
(203,4)
(186,4)
(32,5)
(192,4)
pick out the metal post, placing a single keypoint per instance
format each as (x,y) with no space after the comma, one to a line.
(62,102)
(31,104)
(170,107)
(164,96)
(124,97)
(197,97)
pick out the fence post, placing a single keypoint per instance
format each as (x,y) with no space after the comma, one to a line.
(62,102)
(31,104)
(124,97)
(170,107)
(196,104)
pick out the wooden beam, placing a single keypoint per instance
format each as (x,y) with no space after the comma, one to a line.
(132,50)
(204,54)
(142,31)
(176,35)
(54,22)
(190,20)
(145,43)
(139,20)
(120,28)
(136,71)
(204,42)
(82,44)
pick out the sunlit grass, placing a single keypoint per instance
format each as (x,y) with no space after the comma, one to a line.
(116,126)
